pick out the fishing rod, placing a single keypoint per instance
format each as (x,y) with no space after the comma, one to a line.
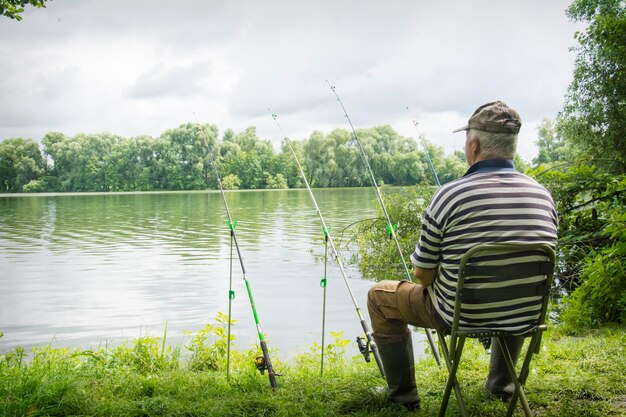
(365,346)
(391,229)
(263,363)
(426,151)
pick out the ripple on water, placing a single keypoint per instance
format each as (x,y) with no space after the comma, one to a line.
(87,269)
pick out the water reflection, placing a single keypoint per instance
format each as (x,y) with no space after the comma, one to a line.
(94,269)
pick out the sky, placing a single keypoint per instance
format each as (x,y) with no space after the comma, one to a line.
(141,67)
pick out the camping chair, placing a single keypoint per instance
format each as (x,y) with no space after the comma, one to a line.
(489,276)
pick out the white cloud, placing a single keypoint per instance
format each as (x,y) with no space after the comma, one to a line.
(176,81)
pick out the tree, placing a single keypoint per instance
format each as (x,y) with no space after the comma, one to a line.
(185,156)
(594,115)
(82,162)
(277,181)
(451,167)
(13,8)
(550,144)
(20,163)
(288,163)
(248,157)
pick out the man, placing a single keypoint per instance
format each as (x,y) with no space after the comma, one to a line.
(493,203)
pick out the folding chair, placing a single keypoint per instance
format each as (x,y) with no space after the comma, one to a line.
(490,278)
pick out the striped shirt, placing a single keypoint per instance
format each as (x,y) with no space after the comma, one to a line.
(491,203)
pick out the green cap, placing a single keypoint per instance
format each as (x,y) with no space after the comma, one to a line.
(494,117)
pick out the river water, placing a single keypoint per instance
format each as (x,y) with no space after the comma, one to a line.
(85,270)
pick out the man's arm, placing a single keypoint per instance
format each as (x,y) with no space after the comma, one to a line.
(425,276)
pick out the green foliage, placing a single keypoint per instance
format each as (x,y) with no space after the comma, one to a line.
(594,115)
(145,356)
(277,181)
(601,298)
(20,163)
(590,203)
(334,354)
(571,376)
(451,168)
(379,256)
(178,160)
(209,347)
(43,184)
(582,160)
(335,160)
(231,182)
(13,8)
(83,162)
(551,146)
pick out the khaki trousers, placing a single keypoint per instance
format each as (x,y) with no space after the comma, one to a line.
(393,305)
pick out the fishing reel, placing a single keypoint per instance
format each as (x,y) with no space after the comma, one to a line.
(261,364)
(364,347)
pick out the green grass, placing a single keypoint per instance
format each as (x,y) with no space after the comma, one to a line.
(573,376)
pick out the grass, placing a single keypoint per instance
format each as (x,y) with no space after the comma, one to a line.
(573,376)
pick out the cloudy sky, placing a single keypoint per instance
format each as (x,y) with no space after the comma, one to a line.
(140,67)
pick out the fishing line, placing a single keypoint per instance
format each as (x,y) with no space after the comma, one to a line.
(391,229)
(263,363)
(365,347)
(426,151)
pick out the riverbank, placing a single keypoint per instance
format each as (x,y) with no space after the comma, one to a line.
(573,376)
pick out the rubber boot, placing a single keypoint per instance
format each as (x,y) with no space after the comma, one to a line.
(499,383)
(396,353)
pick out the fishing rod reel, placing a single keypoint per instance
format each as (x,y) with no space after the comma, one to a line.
(364,347)
(261,364)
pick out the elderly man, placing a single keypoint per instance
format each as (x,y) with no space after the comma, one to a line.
(491,203)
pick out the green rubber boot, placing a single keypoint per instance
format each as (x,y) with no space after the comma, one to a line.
(499,383)
(396,353)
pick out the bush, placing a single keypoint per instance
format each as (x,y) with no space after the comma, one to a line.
(378,254)
(601,298)
(46,184)
(592,242)
(231,182)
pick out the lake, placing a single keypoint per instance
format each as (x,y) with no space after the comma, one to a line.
(84,270)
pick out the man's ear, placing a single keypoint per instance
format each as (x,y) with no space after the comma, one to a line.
(475,146)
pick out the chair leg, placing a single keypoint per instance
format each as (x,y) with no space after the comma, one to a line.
(533,347)
(452,364)
(519,390)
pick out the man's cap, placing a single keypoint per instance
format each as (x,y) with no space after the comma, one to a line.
(494,117)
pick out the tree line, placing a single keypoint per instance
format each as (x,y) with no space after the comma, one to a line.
(179,160)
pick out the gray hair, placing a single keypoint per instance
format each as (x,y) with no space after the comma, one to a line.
(495,145)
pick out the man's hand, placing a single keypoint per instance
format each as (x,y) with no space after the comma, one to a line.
(425,276)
